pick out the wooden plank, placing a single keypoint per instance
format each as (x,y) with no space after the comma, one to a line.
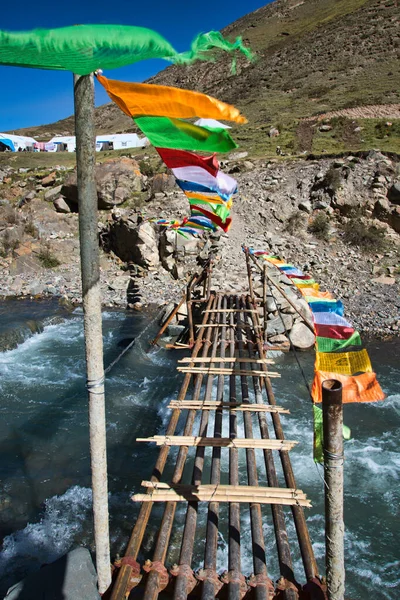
(191,440)
(227,371)
(208,405)
(235,359)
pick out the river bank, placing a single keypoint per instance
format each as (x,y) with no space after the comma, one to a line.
(330,217)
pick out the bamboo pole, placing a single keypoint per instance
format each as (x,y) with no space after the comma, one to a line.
(333,472)
(91,300)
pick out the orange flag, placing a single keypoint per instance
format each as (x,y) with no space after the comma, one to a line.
(147,99)
(360,388)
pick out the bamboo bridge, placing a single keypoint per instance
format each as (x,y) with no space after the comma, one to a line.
(226,410)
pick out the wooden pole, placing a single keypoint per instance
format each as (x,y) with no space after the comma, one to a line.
(91,299)
(333,471)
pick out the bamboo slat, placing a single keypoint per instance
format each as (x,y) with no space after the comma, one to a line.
(229,310)
(191,440)
(227,371)
(234,326)
(220,359)
(209,405)
(221,493)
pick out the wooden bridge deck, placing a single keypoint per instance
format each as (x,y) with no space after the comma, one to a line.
(225,414)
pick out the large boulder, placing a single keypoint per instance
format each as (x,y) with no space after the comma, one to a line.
(161,183)
(167,248)
(134,243)
(70,577)
(301,337)
(117,180)
(279,325)
(394,219)
(394,193)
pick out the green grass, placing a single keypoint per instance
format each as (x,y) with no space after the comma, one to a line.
(47,160)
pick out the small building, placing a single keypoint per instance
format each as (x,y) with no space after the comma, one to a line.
(16,143)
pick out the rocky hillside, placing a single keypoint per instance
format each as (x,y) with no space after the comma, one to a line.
(338,219)
(313,57)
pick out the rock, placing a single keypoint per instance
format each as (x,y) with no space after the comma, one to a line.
(382,209)
(273,132)
(248,165)
(175,329)
(133,243)
(117,180)
(305,206)
(238,155)
(325,128)
(49,179)
(394,219)
(162,183)
(138,306)
(53,193)
(275,325)
(320,205)
(301,337)
(60,205)
(278,339)
(165,313)
(167,248)
(384,280)
(394,193)
(70,577)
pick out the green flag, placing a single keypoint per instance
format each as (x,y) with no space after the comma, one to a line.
(319,434)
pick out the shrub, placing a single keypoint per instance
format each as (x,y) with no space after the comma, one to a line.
(9,244)
(333,179)
(47,258)
(319,226)
(368,238)
(295,222)
(10,216)
(31,229)
(146,168)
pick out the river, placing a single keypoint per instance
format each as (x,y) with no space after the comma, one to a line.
(45,498)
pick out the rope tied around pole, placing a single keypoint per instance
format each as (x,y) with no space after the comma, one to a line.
(93,384)
(339,458)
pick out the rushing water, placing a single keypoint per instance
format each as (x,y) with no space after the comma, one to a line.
(45,499)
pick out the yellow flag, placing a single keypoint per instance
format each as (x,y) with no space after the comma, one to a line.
(345,363)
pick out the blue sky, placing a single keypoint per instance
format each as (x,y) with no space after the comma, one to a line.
(34,97)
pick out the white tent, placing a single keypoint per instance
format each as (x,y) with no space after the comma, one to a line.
(211,123)
(62,143)
(115,141)
(17,142)
(119,141)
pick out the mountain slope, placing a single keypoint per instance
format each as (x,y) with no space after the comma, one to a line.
(313,56)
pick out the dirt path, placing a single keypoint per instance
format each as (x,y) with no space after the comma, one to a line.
(374,111)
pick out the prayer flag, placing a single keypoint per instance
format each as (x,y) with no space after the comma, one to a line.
(345,363)
(330,318)
(324,344)
(174,133)
(338,332)
(148,99)
(319,434)
(358,388)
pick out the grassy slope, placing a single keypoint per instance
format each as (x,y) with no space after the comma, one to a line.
(313,56)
